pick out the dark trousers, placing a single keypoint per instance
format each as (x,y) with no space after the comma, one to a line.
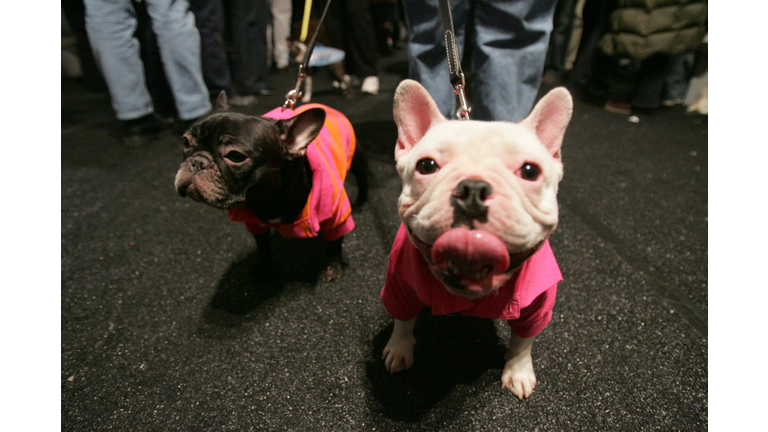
(562,27)
(74,11)
(349,24)
(649,83)
(588,58)
(209,19)
(248,20)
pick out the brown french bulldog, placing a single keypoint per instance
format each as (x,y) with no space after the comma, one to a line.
(284,170)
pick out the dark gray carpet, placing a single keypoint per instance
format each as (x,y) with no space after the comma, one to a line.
(163,327)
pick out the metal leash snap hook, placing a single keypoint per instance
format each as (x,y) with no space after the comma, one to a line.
(462,113)
(293,95)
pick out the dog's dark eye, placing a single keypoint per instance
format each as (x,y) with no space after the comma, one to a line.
(235,156)
(427,166)
(530,171)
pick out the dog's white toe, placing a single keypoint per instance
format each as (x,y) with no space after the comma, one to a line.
(398,354)
(519,377)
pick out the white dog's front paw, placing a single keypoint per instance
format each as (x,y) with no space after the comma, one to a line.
(518,376)
(398,354)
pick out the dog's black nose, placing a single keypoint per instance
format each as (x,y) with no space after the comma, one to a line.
(472,193)
(468,201)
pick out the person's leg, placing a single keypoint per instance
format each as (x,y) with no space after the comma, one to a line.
(74,10)
(154,73)
(282,11)
(362,38)
(111,26)
(209,19)
(595,20)
(427,56)
(179,41)
(562,27)
(648,88)
(248,20)
(512,40)
(676,81)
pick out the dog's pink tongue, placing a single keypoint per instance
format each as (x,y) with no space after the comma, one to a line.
(475,254)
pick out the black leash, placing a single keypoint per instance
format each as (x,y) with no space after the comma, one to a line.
(454,62)
(293,95)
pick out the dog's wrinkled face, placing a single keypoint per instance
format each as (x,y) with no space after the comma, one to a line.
(478,198)
(224,155)
(230,155)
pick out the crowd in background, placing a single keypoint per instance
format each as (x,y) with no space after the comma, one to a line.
(631,55)
(162,60)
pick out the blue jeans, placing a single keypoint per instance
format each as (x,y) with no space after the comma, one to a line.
(509,46)
(111,26)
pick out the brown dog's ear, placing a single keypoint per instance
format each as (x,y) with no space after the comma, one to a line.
(297,132)
(550,118)
(415,112)
(222,103)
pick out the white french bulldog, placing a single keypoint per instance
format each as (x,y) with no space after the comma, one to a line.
(478,203)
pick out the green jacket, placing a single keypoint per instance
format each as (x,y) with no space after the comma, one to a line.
(641,28)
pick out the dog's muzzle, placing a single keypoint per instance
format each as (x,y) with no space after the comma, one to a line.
(471,260)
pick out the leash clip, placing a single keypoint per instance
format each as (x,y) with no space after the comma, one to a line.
(454,62)
(462,112)
(293,95)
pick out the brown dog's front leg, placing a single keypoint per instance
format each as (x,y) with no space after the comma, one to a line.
(335,269)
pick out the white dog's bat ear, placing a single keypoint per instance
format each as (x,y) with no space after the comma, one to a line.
(222,103)
(297,132)
(550,118)
(415,112)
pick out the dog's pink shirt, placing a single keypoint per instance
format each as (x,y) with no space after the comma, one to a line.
(525,300)
(328,210)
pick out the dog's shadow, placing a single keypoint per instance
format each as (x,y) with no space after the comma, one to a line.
(246,286)
(450,351)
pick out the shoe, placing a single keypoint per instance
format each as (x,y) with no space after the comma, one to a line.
(553,77)
(345,87)
(242,101)
(618,107)
(672,102)
(282,62)
(143,129)
(183,125)
(370,85)
(344,83)
(352,80)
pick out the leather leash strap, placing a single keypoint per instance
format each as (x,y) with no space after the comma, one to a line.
(454,62)
(293,95)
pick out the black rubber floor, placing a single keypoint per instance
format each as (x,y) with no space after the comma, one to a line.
(163,327)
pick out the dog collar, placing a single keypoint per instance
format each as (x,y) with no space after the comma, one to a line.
(423,248)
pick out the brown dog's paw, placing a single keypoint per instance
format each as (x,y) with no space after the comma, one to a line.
(332,273)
